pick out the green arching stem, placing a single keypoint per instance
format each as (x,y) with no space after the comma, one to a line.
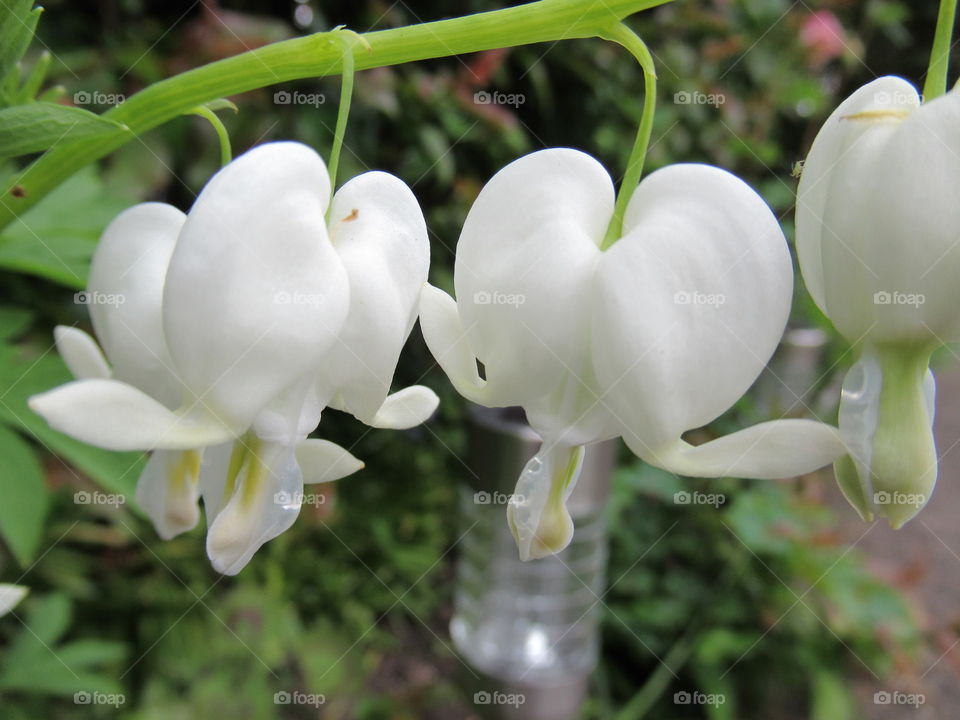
(226,155)
(343,112)
(936,82)
(316,55)
(623,35)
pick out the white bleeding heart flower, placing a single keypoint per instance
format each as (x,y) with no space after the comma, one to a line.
(228,333)
(877,228)
(654,336)
(380,237)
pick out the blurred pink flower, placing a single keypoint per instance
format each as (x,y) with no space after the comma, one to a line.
(823,37)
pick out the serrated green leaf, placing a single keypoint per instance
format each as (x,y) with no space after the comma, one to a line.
(41,125)
(23,497)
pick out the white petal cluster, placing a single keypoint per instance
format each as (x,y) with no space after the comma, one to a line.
(228,330)
(878,238)
(656,335)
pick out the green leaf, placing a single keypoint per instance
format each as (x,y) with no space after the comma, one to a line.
(831,697)
(17,25)
(56,238)
(41,125)
(35,663)
(35,78)
(48,617)
(14,322)
(24,497)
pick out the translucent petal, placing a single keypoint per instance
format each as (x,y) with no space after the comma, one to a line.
(169,491)
(261,500)
(537,511)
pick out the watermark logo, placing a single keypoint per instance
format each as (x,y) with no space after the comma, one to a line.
(882,497)
(499,698)
(495,498)
(885,97)
(85,697)
(95,97)
(883,297)
(485,297)
(684,697)
(288,499)
(485,97)
(84,497)
(91,297)
(283,297)
(285,97)
(886,697)
(698,498)
(695,97)
(299,698)
(688,297)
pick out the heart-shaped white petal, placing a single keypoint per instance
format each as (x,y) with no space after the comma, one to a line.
(877,221)
(379,233)
(524,278)
(125,293)
(255,293)
(691,302)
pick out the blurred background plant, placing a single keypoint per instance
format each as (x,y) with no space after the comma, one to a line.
(353,602)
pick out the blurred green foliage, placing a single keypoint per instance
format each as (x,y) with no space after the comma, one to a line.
(353,601)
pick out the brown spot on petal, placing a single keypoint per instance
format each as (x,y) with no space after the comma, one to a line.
(354,214)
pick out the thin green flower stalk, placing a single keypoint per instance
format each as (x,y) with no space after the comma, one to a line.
(936,83)
(226,153)
(316,55)
(348,39)
(623,35)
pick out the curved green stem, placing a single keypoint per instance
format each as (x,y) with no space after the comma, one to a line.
(623,35)
(343,112)
(314,56)
(226,154)
(936,83)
